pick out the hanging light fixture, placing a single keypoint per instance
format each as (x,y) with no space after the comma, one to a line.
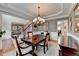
(38,20)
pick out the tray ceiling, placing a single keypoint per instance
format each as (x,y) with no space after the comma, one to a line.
(29,10)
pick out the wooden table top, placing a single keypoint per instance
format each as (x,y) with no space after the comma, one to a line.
(35,39)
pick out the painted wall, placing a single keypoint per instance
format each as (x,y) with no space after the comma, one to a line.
(7,20)
(0,21)
(0,28)
(52,26)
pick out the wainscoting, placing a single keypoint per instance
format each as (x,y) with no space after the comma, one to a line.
(7,45)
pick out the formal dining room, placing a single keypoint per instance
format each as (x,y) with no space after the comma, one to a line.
(39,29)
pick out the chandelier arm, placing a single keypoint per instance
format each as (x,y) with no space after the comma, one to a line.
(38,10)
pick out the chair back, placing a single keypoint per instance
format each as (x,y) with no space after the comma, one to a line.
(16,45)
(29,35)
(47,38)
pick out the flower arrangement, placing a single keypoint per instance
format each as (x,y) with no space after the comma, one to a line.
(2,32)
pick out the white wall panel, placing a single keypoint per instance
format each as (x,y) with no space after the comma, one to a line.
(7,20)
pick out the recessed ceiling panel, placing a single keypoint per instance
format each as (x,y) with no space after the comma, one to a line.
(47,10)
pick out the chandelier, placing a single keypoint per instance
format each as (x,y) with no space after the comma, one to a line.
(38,20)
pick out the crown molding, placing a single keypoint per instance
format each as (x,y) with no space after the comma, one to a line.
(19,13)
(67,15)
(56,13)
(12,11)
(55,18)
(71,9)
(5,10)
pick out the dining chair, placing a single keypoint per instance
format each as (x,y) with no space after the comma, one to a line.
(44,44)
(21,50)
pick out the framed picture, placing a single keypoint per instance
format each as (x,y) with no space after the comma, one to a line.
(16,29)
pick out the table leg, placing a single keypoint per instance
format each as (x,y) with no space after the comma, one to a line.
(44,48)
(33,48)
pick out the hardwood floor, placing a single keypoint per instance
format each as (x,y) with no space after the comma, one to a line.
(53,48)
(51,52)
(1,52)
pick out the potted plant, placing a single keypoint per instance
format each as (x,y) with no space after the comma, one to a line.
(1,33)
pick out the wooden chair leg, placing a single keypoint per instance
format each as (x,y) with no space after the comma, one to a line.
(36,47)
(47,47)
(60,53)
(44,48)
(16,54)
(33,48)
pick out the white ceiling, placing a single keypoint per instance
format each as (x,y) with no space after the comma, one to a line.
(28,11)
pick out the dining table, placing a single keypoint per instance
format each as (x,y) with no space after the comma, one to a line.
(36,39)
